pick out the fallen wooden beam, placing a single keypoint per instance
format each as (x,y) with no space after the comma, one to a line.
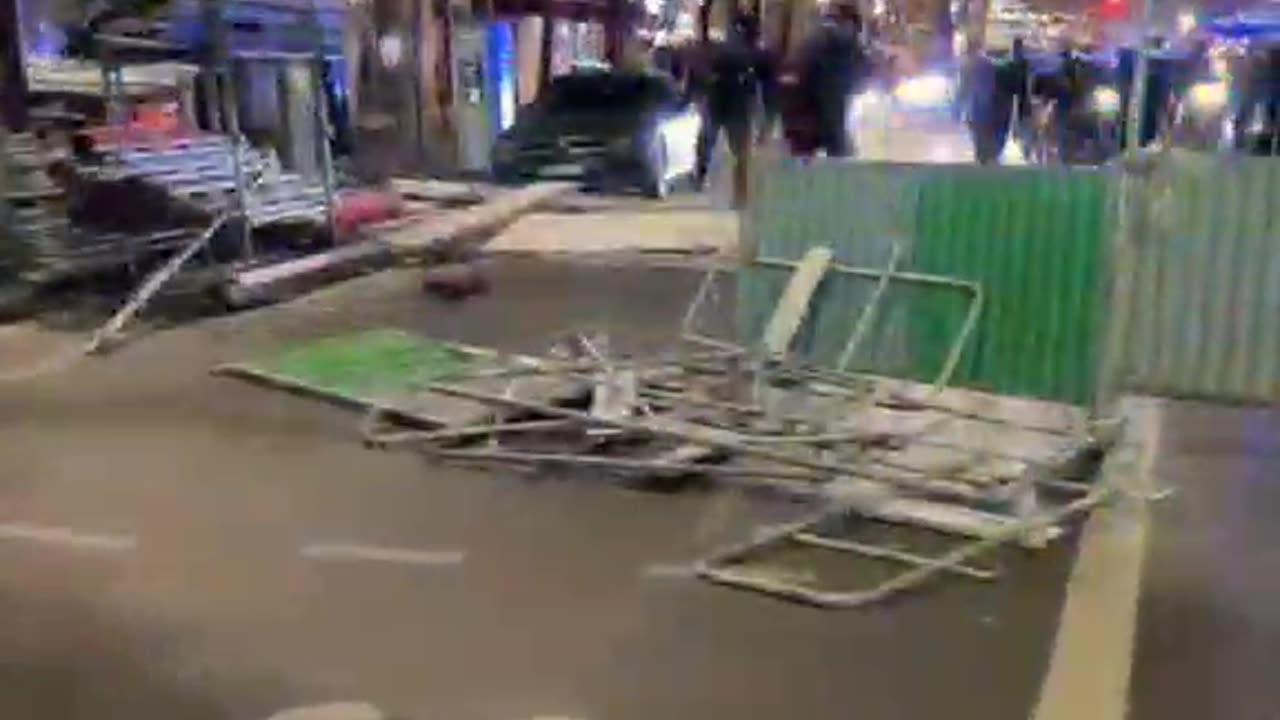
(459,225)
(152,285)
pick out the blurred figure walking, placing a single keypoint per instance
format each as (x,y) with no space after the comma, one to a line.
(1256,120)
(736,83)
(833,66)
(1001,89)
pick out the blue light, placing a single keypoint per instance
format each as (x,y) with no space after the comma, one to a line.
(48,43)
(502,73)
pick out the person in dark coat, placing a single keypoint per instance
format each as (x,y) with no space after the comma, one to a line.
(983,110)
(833,66)
(1015,81)
(736,84)
(1153,112)
(1259,91)
(1001,87)
(1071,88)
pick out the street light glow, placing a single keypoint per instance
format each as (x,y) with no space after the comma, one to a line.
(1186,22)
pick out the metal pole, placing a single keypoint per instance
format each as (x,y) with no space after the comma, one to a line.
(324,129)
(1124,244)
(231,117)
(232,114)
(1138,86)
(109,104)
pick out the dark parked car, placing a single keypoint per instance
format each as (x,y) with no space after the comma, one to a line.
(612,128)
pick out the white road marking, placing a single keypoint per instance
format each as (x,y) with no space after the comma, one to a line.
(1092,658)
(668,571)
(331,711)
(68,538)
(376,553)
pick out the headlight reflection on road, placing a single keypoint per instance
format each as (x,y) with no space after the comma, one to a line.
(923,91)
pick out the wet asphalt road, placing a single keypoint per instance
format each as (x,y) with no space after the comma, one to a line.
(1208,636)
(188,593)
(192,587)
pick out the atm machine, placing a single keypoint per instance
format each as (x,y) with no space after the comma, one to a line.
(484,82)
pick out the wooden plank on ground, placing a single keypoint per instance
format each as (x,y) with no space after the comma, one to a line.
(455,412)
(471,221)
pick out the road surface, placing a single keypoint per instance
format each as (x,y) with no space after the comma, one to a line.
(175,546)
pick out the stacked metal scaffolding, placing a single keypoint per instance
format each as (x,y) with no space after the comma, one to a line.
(203,172)
(42,244)
(37,228)
(213,174)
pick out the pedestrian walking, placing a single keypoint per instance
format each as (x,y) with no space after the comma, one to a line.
(833,66)
(1001,91)
(737,85)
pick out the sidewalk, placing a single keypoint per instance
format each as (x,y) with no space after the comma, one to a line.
(656,230)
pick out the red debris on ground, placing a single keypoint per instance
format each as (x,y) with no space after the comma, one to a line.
(456,280)
(359,208)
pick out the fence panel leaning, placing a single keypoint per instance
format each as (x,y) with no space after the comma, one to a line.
(1008,303)
(933,332)
(1204,282)
(1032,241)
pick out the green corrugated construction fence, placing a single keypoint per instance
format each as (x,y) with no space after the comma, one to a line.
(1202,314)
(1034,239)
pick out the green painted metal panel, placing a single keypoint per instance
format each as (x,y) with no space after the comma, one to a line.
(1205,303)
(366,366)
(1034,238)
(860,210)
(1203,293)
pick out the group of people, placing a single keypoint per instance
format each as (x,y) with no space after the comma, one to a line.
(740,85)
(744,90)
(1005,89)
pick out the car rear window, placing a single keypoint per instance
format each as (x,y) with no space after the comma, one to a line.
(610,93)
